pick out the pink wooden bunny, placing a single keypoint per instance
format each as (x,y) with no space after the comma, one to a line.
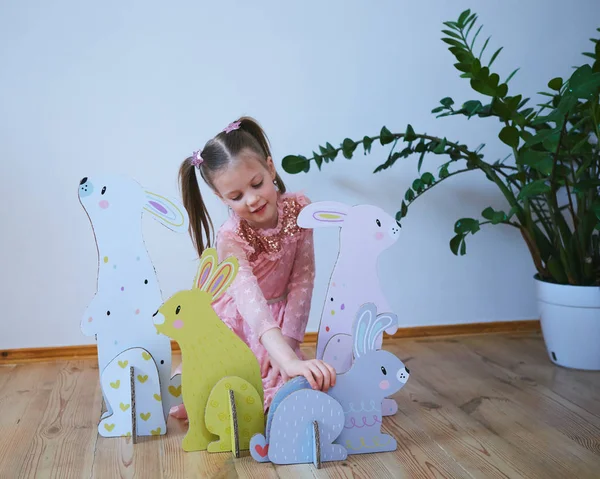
(365,232)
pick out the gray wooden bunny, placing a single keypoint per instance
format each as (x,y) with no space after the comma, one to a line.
(374,375)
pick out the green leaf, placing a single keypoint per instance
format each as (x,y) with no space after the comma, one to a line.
(318,160)
(502,108)
(463,17)
(470,21)
(539,137)
(294,164)
(403,211)
(550,143)
(441,147)
(475,37)
(484,45)
(466,225)
(455,243)
(438,109)
(471,107)
(367,142)
(494,56)
(512,75)
(463,67)
(418,186)
(585,185)
(502,90)
(493,80)
(453,42)
(447,102)
(555,84)
(409,135)
(420,148)
(443,172)
(409,195)
(482,87)
(386,136)
(510,136)
(539,160)
(495,217)
(584,83)
(450,33)
(557,271)
(537,187)
(596,209)
(348,147)
(420,161)
(452,25)
(427,179)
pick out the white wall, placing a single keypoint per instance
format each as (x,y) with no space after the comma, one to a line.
(134,87)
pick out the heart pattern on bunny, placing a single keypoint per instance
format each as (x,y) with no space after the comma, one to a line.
(128,293)
(365,232)
(374,375)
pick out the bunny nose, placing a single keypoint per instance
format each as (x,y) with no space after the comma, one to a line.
(402,375)
(86,188)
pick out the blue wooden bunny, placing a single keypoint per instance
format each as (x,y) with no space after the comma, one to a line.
(290,436)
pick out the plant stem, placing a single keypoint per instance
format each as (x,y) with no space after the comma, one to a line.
(408,203)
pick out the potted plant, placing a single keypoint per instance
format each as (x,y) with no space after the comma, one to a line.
(550,180)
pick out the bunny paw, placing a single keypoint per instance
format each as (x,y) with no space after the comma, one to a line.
(389,407)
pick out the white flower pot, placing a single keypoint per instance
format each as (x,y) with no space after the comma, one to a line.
(570,319)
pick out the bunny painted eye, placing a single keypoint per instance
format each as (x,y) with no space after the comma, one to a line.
(378,223)
(103,190)
(108,313)
(383,371)
(145,281)
(178,309)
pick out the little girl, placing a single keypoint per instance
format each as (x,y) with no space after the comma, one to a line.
(268,303)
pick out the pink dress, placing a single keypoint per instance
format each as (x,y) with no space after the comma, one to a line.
(274,284)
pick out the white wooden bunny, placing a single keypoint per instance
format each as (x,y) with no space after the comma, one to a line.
(365,232)
(128,294)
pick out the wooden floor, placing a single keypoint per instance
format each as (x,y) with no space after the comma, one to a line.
(475,406)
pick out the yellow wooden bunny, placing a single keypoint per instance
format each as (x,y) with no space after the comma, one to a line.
(212,352)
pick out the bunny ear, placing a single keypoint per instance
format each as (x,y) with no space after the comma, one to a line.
(223,277)
(323,214)
(364,318)
(382,322)
(167,211)
(208,263)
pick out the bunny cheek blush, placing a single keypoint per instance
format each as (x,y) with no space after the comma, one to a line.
(103,204)
(384,385)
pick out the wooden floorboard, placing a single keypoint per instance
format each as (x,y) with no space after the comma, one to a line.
(478,406)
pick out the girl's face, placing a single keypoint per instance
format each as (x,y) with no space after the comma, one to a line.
(247,187)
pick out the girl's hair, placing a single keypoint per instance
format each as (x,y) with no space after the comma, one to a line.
(217,154)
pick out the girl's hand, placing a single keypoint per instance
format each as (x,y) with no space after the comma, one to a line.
(268,362)
(320,375)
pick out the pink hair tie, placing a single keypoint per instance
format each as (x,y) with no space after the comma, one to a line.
(197,159)
(232,126)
